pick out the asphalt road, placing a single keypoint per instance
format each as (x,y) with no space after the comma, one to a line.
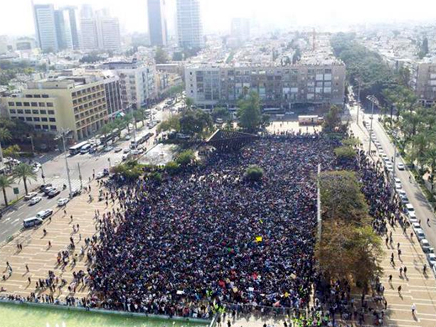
(416,197)
(55,173)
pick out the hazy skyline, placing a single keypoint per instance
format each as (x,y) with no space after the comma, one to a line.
(16,16)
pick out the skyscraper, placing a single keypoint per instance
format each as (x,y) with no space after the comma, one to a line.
(72,13)
(189,27)
(157,25)
(45,27)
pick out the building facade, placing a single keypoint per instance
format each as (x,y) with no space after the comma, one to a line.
(74,103)
(157,25)
(278,87)
(137,82)
(425,83)
(45,27)
(240,29)
(108,31)
(189,25)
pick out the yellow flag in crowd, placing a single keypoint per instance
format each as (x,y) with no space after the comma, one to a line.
(258,238)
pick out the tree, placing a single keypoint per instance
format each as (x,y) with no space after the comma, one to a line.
(332,121)
(172,167)
(185,158)
(249,114)
(161,57)
(420,143)
(222,113)
(195,122)
(344,153)
(106,130)
(253,173)
(172,123)
(5,135)
(189,102)
(11,151)
(5,182)
(24,172)
(91,58)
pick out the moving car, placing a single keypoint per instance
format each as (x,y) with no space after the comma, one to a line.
(30,196)
(108,148)
(62,202)
(126,150)
(102,174)
(124,157)
(44,214)
(54,192)
(75,192)
(32,221)
(34,200)
(47,190)
(127,137)
(44,186)
(400,166)
(117,150)
(398,183)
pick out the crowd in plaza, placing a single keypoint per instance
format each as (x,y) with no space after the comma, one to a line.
(207,237)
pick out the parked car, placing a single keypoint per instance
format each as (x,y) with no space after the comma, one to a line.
(54,192)
(75,192)
(412,217)
(126,150)
(124,157)
(44,214)
(425,245)
(419,234)
(34,200)
(108,148)
(31,222)
(62,202)
(431,257)
(409,208)
(30,196)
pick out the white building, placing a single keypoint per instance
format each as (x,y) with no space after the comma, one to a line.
(137,82)
(189,26)
(45,27)
(108,31)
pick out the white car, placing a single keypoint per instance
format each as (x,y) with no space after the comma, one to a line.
(30,196)
(420,234)
(124,157)
(44,213)
(127,137)
(398,183)
(34,200)
(410,208)
(431,259)
(108,148)
(99,175)
(126,150)
(62,202)
(135,152)
(401,166)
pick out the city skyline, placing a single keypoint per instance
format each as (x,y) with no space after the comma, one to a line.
(271,14)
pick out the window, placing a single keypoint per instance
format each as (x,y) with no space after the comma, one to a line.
(12,111)
(35,112)
(27,111)
(36,119)
(43,112)
(19,104)
(49,104)
(45,95)
(44,119)
(53,127)
(45,127)
(37,126)
(51,112)
(52,119)
(34,104)
(28,118)
(11,104)
(36,96)
(41,104)
(20,111)
(21,118)
(26,104)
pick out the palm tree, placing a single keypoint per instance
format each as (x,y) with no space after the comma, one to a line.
(5,135)
(189,102)
(5,182)
(24,172)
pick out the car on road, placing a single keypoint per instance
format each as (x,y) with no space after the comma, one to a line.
(34,200)
(99,175)
(108,148)
(420,234)
(31,222)
(389,167)
(75,192)
(62,202)
(413,218)
(431,257)
(44,214)
(44,186)
(425,245)
(125,156)
(54,192)
(134,152)
(410,208)
(127,137)
(30,196)
(126,150)
(398,185)
(400,166)
(118,150)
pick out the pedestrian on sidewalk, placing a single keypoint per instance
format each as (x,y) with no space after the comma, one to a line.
(413,308)
(27,268)
(390,278)
(399,289)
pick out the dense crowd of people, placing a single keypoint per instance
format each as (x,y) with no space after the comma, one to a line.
(207,236)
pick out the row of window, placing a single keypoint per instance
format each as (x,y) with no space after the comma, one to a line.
(37,96)
(33,111)
(30,104)
(37,119)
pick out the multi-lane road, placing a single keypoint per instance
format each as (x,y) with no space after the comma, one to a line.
(55,173)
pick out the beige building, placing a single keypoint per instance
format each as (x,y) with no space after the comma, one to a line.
(424,83)
(75,103)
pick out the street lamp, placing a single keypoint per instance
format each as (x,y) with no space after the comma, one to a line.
(42,174)
(62,135)
(31,141)
(373,101)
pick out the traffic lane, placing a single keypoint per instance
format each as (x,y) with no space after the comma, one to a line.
(416,197)
(12,222)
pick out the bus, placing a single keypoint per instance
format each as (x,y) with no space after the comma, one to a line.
(273,111)
(310,120)
(75,149)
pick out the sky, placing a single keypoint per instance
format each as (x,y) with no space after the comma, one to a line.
(16,15)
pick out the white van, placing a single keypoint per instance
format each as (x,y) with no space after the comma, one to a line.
(85,148)
(30,222)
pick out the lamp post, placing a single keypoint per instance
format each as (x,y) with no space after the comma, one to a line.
(63,132)
(31,141)
(42,174)
(373,101)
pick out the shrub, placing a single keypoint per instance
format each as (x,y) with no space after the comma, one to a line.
(185,158)
(254,173)
(172,167)
(345,152)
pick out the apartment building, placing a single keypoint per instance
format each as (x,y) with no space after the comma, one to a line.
(277,86)
(74,103)
(189,25)
(137,82)
(424,83)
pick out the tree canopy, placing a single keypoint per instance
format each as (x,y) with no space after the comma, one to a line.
(249,114)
